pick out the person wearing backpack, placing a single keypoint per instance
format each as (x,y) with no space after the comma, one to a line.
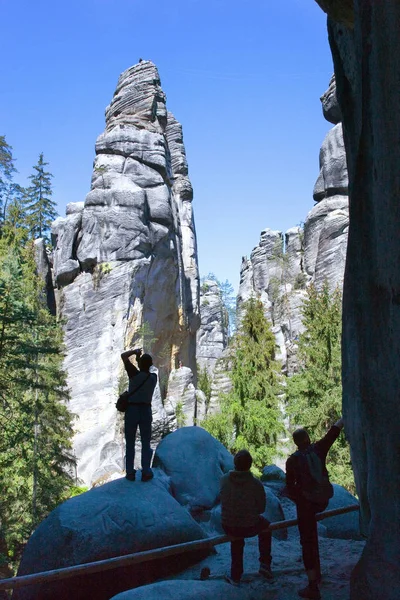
(142,384)
(308,485)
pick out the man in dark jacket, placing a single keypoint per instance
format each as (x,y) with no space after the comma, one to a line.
(139,413)
(307,484)
(242,504)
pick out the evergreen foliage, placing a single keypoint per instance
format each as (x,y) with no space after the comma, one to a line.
(250,416)
(314,395)
(204,383)
(10,192)
(41,208)
(35,424)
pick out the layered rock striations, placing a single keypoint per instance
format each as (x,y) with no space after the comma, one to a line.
(282,265)
(125,265)
(212,335)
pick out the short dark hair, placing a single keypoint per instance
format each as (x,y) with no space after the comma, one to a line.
(145,362)
(301,437)
(242,460)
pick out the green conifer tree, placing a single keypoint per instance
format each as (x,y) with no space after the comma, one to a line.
(314,394)
(250,416)
(40,207)
(9,190)
(36,425)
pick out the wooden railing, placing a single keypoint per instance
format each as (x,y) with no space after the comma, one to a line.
(147,555)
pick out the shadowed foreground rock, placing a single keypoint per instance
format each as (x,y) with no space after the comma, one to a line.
(118,518)
(183,590)
(367,67)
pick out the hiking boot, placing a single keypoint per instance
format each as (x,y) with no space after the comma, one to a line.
(130,476)
(147,476)
(266,572)
(232,581)
(311,591)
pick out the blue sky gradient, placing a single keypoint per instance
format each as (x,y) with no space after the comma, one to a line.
(243,78)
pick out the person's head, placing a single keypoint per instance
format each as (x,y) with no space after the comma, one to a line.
(145,362)
(301,438)
(243,460)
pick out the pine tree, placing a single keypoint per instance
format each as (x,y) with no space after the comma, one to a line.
(314,395)
(228,300)
(35,422)
(250,416)
(8,188)
(41,208)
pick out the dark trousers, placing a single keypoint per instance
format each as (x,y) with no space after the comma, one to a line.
(306,512)
(237,545)
(138,415)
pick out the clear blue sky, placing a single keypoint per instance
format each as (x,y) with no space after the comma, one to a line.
(243,77)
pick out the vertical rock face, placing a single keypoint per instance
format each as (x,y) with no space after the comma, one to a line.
(125,263)
(368,81)
(281,266)
(212,336)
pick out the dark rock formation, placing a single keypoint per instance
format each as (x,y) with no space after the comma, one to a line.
(330,105)
(125,260)
(118,518)
(367,68)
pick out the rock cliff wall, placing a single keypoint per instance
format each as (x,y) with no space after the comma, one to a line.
(212,335)
(282,265)
(125,265)
(365,52)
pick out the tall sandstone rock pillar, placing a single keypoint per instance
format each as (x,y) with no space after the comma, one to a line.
(366,52)
(125,262)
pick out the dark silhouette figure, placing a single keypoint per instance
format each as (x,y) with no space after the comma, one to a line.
(139,414)
(307,484)
(242,504)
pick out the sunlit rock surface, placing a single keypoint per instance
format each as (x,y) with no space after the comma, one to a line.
(125,262)
(281,267)
(212,335)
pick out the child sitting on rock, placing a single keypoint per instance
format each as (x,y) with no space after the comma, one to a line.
(242,504)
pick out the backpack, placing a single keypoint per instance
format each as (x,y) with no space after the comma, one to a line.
(314,483)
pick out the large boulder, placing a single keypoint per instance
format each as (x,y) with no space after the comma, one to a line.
(195,463)
(345,526)
(183,590)
(118,518)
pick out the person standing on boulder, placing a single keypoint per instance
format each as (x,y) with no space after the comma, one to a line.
(139,414)
(243,501)
(307,484)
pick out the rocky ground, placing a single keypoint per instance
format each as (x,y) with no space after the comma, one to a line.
(338,557)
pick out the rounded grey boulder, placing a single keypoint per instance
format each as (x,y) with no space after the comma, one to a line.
(115,519)
(195,463)
(183,590)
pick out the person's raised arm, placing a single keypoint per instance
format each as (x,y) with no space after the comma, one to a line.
(326,442)
(129,367)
